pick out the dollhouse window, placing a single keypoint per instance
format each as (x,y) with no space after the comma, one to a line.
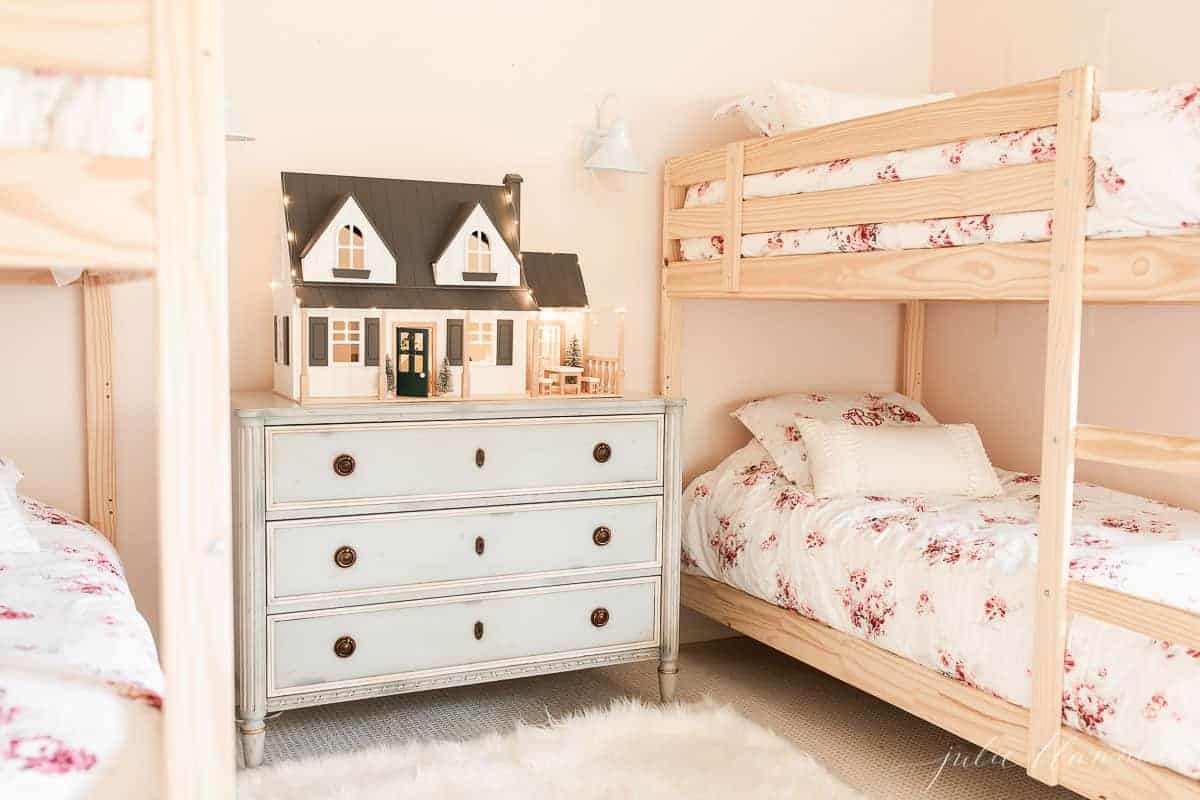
(350,250)
(481,342)
(347,341)
(479,252)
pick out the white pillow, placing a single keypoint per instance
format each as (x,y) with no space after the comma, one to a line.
(14,535)
(897,461)
(790,107)
(773,421)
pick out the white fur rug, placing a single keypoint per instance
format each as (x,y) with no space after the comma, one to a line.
(629,751)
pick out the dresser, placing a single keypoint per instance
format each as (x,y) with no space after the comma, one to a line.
(399,547)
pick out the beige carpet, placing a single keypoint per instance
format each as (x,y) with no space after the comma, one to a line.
(870,745)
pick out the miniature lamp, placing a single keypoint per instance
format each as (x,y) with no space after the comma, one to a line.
(609,147)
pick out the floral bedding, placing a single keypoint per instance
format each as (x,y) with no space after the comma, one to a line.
(1146,145)
(947,582)
(80,684)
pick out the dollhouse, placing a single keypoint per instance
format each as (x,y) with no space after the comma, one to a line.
(403,289)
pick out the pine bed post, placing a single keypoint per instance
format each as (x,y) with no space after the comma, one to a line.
(194,474)
(735,161)
(914,349)
(670,319)
(1076,104)
(101,423)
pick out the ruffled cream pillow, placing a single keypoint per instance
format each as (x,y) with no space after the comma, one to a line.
(788,107)
(897,461)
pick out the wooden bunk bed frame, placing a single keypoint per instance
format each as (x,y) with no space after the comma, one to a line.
(1065,272)
(160,218)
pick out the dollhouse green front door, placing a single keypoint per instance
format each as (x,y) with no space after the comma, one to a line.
(412,362)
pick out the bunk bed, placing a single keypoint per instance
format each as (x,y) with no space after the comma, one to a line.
(1066,271)
(72,212)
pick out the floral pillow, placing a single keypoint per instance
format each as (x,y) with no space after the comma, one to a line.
(14,535)
(773,421)
(790,107)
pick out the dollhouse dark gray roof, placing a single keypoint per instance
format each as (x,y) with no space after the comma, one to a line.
(556,280)
(413,218)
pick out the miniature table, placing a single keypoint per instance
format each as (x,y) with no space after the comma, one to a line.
(563,372)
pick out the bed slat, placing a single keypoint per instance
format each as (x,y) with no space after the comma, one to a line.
(1151,269)
(110,37)
(697,221)
(708,165)
(1028,187)
(1013,108)
(72,210)
(1176,454)
(1162,622)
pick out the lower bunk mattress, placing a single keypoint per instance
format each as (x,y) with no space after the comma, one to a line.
(947,582)
(80,683)
(1146,145)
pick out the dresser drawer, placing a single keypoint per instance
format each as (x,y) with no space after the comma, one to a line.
(338,465)
(353,558)
(379,643)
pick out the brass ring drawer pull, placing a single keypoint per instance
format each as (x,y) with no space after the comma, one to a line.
(345,646)
(480,545)
(478,630)
(480,457)
(345,557)
(602,452)
(600,617)
(343,465)
(602,535)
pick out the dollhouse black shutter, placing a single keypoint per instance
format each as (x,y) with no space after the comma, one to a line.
(275,338)
(318,341)
(504,342)
(371,353)
(287,340)
(454,342)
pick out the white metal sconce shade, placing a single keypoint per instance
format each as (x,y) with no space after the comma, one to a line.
(610,148)
(234,130)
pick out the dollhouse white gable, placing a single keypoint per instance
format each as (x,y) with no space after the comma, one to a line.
(477,255)
(347,249)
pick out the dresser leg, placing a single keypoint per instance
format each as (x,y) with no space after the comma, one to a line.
(667,672)
(252,732)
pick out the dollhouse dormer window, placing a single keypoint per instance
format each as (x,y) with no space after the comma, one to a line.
(350,249)
(479,253)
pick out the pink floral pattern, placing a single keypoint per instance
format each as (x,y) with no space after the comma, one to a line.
(1132,201)
(946,582)
(74,650)
(772,420)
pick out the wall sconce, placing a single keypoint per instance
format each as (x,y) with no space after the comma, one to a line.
(234,128)
(608,147)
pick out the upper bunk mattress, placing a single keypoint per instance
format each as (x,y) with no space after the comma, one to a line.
(80,683)
(1146,145)
(948,582)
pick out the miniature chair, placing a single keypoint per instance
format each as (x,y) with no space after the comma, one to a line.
(545,385)
(590,384)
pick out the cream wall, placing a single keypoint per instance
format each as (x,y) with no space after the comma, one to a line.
(985,363)
(468,92)
(420,93)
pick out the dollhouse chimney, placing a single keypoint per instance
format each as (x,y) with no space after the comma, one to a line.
(512,182)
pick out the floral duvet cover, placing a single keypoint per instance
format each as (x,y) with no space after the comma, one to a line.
(1146,145)
(80,684)
(947,582)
